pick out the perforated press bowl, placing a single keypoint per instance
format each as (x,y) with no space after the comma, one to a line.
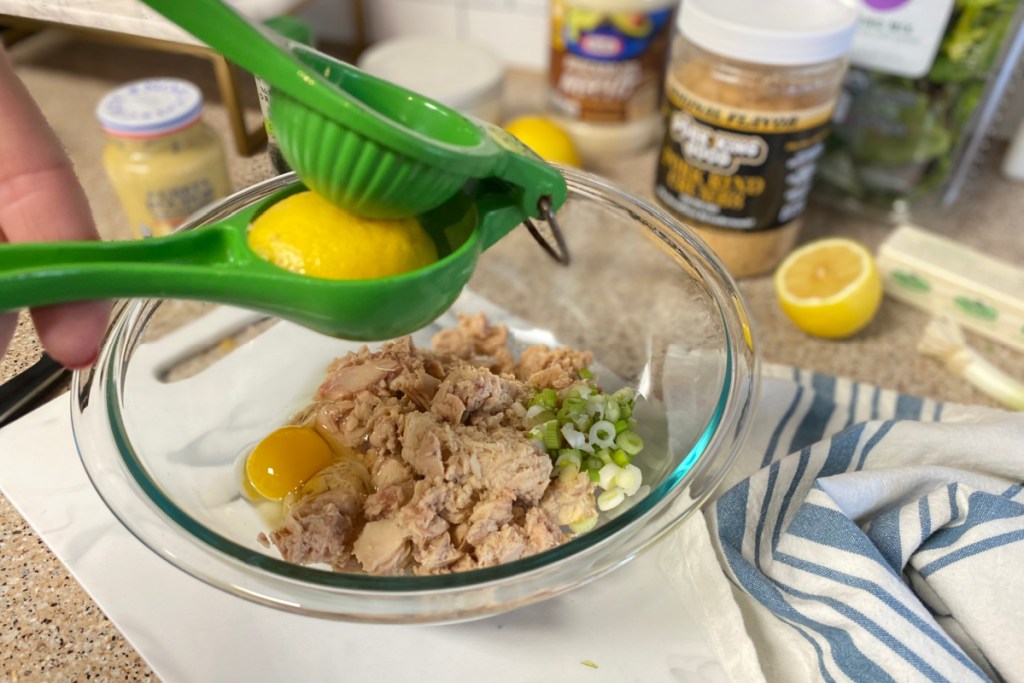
(163,417)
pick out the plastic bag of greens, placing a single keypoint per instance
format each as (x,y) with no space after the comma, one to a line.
(925,80)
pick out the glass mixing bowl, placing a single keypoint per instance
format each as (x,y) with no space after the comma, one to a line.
(164,418)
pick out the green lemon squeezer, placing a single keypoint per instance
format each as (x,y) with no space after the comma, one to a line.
(367,145)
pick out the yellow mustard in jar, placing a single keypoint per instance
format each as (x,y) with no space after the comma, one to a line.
(164,162)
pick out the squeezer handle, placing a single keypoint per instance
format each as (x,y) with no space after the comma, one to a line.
(533,178)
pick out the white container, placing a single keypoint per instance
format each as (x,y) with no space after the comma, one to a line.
(464,76)
(606,70)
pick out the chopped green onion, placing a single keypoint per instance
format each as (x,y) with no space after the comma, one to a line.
(585,373)
(607,475)
(578,391)
(537,415)
(630,442)
(545,397)
(593,464)
(629,479)
(621,457)
(569,456)
(594,476)
(582,422)
(604,455)
(574,437)
(612,411)
(602,434)
(625,396)
(552,438)
(610,499)
(573,406)
(567,473)
(582,526)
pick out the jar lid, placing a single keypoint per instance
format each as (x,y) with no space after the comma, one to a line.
(456,74)
(150,108)
(786,33)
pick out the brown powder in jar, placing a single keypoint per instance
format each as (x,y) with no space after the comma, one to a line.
(747,208)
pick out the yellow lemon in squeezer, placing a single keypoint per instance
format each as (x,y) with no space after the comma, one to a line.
(307,234)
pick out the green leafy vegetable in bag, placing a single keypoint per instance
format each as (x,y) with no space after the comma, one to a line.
(899,136)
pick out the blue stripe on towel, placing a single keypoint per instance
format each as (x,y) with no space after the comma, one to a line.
(812,427)
(926,519)
(787,498)
(972,550)
(937,636)
(773,442)
(773,475)
(730,511)
(851,415)
(873,441)
(908,407)
(834,529)
(884,532)
(841,449)
(981,508)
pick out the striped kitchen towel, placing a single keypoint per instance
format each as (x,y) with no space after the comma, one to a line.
(864,535)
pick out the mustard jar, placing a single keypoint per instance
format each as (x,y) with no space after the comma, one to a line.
(750,90)
(164,162)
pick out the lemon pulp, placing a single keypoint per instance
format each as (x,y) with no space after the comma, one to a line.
(549,141)
(829,288)
(307,234)
(285,460)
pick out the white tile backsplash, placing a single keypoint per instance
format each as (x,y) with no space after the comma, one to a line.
(517,30)
(520,38)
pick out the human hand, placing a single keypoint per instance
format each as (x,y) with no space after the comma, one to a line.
(42,200)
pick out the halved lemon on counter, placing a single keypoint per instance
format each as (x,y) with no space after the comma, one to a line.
(829,288)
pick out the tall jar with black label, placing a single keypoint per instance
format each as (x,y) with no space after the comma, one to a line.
(606,71)
(750,91)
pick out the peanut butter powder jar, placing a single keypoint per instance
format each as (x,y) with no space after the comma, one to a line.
(749,94)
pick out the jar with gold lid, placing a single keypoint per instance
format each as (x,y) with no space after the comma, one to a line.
(164,161)
(750,90)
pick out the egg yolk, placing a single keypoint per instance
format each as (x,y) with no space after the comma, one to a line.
(285,460)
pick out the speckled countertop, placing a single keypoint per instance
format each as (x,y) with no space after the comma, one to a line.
(49,627)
